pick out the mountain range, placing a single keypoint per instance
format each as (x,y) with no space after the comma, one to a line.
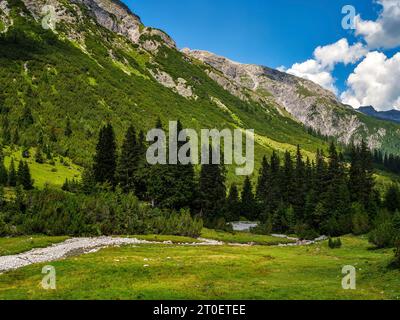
(101,64)
(390,115)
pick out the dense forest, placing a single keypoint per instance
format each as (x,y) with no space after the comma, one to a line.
(122,194)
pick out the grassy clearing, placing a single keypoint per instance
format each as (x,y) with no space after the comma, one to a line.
(242,237)
(46,173)
(223,272)
(10,246)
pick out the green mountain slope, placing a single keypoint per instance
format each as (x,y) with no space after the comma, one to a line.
(101,64)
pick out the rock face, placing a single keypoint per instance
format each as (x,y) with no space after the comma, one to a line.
(306,101)
(5,20)
(110,14)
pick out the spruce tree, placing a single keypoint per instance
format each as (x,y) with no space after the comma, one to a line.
(274,187)
(299,186)
(212,190)
(68,128)
(172,185)
(247,204)
(263,180)
(184,178)
(104,166)
(392,198)
(24,176)
(287,179)
(141,174)
(3,173)
(128,161)
(12,175)
(233,204)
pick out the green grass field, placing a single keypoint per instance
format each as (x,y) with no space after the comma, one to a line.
(46,173)
(10,246)
(222,272)
(243,237)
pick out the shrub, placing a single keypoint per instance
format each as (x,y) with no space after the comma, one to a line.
(335,243)
(56,213)
(303,231)
(397,255)
(383,235)
(360,219)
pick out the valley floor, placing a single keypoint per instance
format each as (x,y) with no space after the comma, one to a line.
(174,271)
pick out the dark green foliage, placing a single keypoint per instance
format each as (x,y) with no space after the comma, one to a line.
(335,243)
(88,181)
(397,255)
(12,175)
(233,204)
(128,161)
(212,190)
(170,185)
(104,165)
(24,176)
(39,156)
(68,128)
(26,118)
(248,204)
(72,186)
(386,231)
(3,172)
(314,198)
(360,219)
(392,198)
(55,213)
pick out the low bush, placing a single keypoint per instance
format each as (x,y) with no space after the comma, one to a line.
(335,243)
(55,213)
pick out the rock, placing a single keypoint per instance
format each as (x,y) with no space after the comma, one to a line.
(306,101)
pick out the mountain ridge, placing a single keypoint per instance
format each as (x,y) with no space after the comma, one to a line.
(124,71)
(389,115)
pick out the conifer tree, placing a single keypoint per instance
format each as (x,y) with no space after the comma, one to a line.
(39,155)
(274,192)
(287,179)
(172,185)
(392,198)
(233,204)
(263,181)
(104,166)
(128,161)
(24,176)
(299,186)
(88,181)
(212,190)
(68,128)
(141,174)
(12,175)
(3,172)
(247,204)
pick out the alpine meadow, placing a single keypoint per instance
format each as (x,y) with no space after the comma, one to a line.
(263,184)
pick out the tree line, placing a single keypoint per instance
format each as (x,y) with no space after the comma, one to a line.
(292,195)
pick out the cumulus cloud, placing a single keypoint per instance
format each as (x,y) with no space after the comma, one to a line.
(375,81)
(339,52)
(319,69)
(385,31)
(313,70)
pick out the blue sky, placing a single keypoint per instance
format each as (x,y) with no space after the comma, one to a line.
(265,32)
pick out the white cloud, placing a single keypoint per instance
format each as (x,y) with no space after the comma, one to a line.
(385,31)
(339,52)
(313,70)
(375,81)
(319,69)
